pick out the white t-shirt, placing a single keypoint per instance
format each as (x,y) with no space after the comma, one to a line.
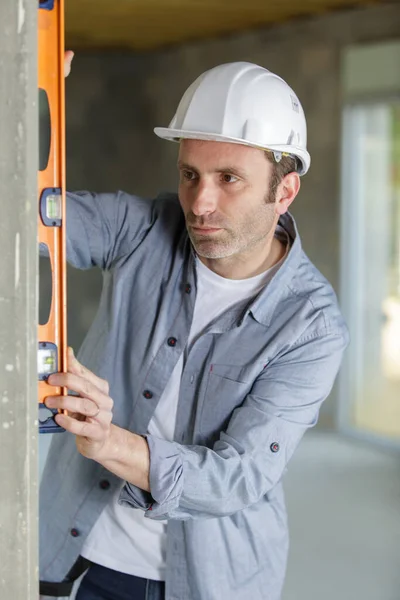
(122,538)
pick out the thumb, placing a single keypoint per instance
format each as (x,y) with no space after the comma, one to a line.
(71,357)
(74,366)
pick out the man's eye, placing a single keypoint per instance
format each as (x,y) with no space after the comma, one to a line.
(228,178)
(188,175)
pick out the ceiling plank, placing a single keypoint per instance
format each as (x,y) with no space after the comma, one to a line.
(148,24)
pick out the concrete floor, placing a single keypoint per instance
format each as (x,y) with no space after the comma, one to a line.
(343,500)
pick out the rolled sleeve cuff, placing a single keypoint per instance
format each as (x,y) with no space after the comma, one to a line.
(166,481)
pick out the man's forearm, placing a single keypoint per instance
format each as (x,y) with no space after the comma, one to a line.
(126,454)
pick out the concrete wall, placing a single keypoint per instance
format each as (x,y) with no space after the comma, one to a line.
(114,101)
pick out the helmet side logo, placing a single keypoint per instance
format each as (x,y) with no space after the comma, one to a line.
(295,104)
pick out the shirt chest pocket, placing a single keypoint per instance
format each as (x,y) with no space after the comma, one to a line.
(227,387)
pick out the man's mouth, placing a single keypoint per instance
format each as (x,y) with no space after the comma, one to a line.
(205,230)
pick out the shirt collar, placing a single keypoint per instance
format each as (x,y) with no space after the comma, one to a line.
(263,307)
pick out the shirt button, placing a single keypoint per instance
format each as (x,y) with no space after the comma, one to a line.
(148,394)
(74,532)
(274,447)
(188,288)
(172,341)
(104,484)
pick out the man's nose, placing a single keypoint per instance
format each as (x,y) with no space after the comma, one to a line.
(204,200)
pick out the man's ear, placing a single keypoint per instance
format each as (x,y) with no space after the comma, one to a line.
(287,191)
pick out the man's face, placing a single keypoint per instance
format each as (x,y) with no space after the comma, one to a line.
(224,193)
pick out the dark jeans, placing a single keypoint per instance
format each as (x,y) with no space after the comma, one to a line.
(101,583)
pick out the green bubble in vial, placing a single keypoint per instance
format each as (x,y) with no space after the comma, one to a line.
(53,207)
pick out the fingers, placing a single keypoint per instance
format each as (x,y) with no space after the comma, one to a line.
(68,56)
(89,412)
(75,404)
(84,382)
(87,429)
(83,387)
(74,366)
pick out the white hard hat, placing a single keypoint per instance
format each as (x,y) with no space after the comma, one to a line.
(246,104)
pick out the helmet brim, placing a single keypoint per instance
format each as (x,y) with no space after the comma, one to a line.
(176,135)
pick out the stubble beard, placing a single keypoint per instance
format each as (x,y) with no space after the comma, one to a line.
(230,241)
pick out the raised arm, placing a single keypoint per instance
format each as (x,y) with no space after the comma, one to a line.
(104,227)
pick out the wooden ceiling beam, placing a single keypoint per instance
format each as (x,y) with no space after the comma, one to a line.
(149,24)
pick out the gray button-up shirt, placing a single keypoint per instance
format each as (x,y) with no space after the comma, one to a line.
(251,385)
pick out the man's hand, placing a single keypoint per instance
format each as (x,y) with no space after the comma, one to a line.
(90,413)
(89,417)
(68,56)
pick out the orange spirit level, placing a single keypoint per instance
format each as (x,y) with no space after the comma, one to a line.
(52,351)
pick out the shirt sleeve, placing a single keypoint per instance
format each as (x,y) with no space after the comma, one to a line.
(104,227)
(250,457)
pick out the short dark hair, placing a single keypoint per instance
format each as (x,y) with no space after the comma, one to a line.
(288,164)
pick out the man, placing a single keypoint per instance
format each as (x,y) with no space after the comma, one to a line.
(216,339)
